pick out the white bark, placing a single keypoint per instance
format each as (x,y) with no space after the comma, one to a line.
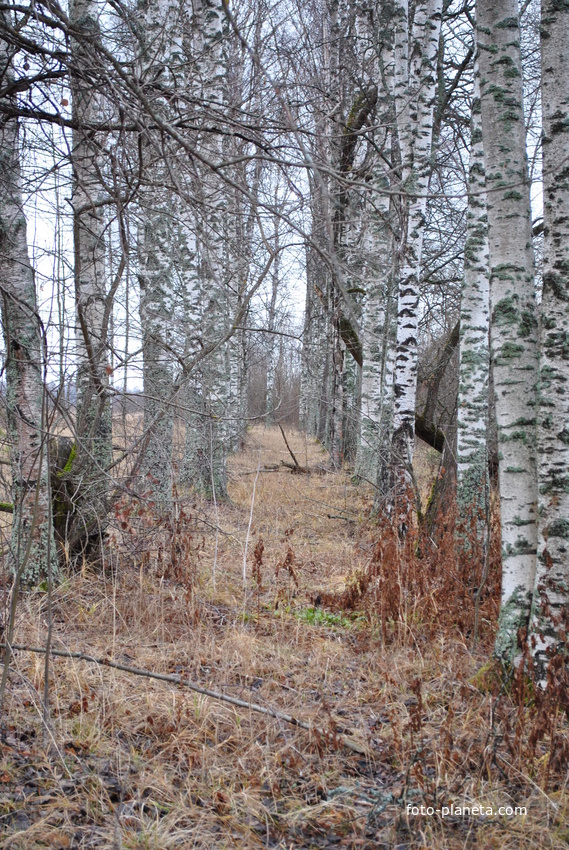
(32,548)
(314,348)
(272,347)
(378,253)
(317,332)
(94,425)
(337,395)
(552,580)
(159,260)
(415,93)
(474,354)
(210,433)
(374,392)
(513,309)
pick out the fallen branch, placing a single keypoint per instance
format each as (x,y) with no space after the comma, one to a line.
(299,468)
(174,679)
(296,470)
(272,467)
(250,523)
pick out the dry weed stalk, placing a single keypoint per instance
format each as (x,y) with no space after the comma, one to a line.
(415,588)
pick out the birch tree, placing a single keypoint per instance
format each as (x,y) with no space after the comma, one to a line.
(209,432)
(315,348)
(32,550)
(377,377)
(93,447)
(552,581)
(340,117)
(161,58)
(272,359)
(513,335)
(340,19)
(415,82)
(378,327)
(472,423)
(317,330)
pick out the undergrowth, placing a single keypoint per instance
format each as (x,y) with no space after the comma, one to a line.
(340,625)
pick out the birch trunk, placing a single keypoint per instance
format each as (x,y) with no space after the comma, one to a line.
(209,434)
(415,91)
(214,283)
(158,254)
(32,549)
(378,253)
(513,334)
(387,390)
(88,473)
(272,348)
(375,331)
(552,581)
(339,199)
(236,276)
(156,310)
(337,393)
(474,352)
(314,348)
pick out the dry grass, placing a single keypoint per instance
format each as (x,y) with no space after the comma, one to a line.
(132,763)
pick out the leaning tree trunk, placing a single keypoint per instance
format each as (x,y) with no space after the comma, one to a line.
(32,550)
(513,333)
(86,479)
(472,483)
(552,583)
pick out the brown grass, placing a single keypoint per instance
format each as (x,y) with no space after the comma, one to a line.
(131,763)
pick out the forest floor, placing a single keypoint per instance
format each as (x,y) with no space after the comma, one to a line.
(403,709)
